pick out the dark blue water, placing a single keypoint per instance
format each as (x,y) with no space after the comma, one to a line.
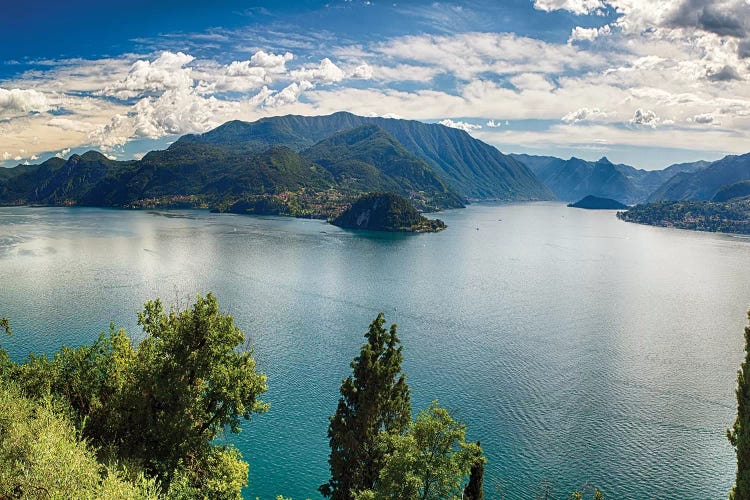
(578,348)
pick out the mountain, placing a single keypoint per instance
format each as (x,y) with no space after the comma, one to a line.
(386,212)
(596,203)
(469,166)
(574,178)
(57,181)
(367,158)
(704,183)
(94,180)
(737,190)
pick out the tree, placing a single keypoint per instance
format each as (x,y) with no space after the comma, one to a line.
(5,325)
(475,488)
(42,455)
(190,383)
(739,434)
(428,462)
(374,399)
(160,405)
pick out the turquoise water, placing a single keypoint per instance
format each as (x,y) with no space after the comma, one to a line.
(577,347)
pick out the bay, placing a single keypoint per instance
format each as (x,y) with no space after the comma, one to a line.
(576,347)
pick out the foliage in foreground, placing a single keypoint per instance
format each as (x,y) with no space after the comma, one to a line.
(739,434)
(41,456)
(376,451)
(374,399)
(159,407)
(427,462)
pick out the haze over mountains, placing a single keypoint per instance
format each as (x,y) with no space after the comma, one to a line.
(573,179)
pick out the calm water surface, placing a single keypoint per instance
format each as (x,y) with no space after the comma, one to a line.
(578,348)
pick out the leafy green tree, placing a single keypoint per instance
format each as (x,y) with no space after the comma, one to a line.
(160,406)
(189,383)
(42,456)
(429,461)
(475,488)
(739,434)
(5,325)
(374,399)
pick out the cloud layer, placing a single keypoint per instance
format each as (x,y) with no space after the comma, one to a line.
(634,73)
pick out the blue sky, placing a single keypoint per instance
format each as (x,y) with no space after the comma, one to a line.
(643,82)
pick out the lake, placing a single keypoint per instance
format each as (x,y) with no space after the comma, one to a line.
(576,347)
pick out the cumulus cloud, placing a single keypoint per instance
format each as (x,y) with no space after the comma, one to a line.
(644,118)
(21,101)
(578,33)
(176,111)
(703,119)
(465,126)
(325,72)
(288,94)
(274,63)
(579,7)
(583,114)
(165,72)
(494,124)
(363,71)
(239,76)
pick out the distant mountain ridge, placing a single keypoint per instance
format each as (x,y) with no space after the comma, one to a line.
(575,178)
(704,184)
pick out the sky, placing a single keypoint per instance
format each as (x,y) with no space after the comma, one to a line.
(643,82)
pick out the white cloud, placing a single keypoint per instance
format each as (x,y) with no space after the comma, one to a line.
(579,7)
(274,63)
(21,101)
(325,72)
(494,124)
(578,33)
(584,114)
(468,55)
(465,126)
(704,119)
(404,73)
(263,68)
(72,125)
(363,71)
(288,94)
(164,73)
(62,154)
(644,118)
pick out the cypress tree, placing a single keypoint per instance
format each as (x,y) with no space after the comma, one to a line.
(475,488)
(374,399)
(739,434)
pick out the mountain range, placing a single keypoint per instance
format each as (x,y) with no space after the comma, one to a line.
(314,165)
(345,154)
(575,178)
